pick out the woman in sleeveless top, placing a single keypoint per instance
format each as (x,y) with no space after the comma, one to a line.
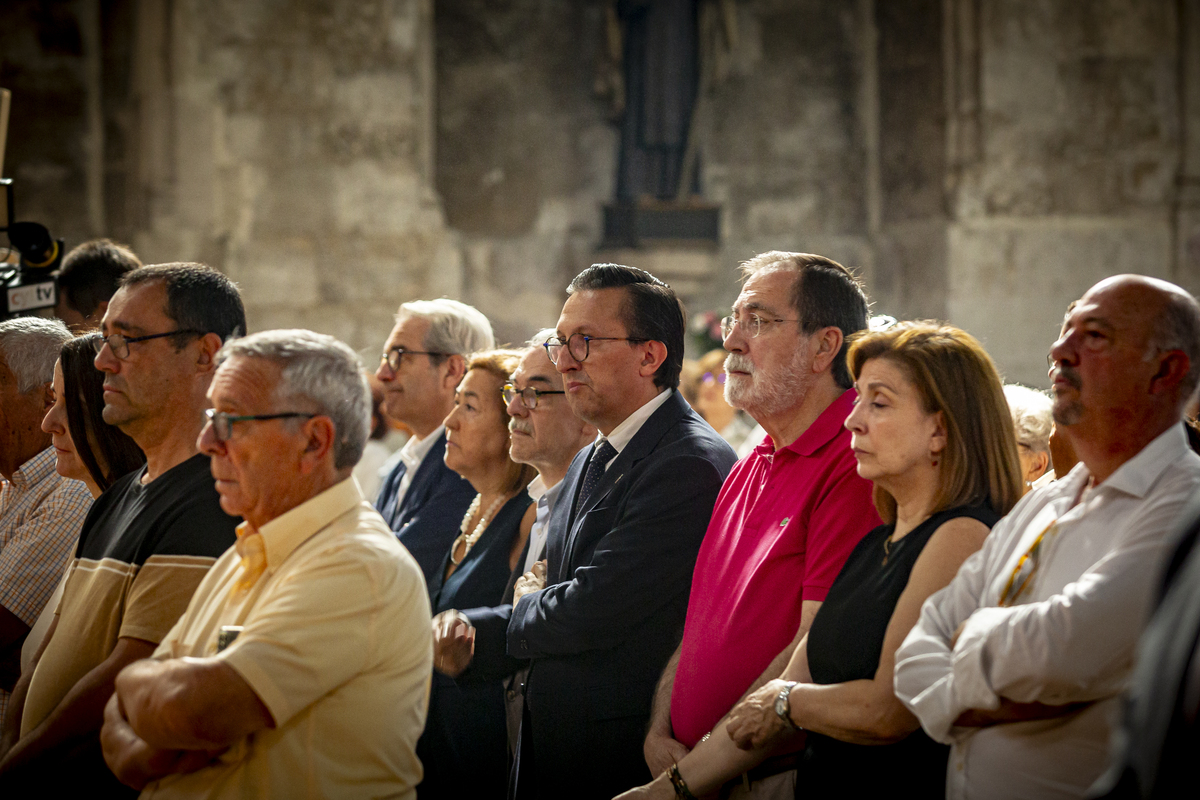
(932,430)
(465,745)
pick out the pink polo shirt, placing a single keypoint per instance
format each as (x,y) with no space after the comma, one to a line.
(782,527)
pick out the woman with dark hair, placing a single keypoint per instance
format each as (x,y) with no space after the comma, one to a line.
(931,429)
(76,422)
(465,745)
(87,448)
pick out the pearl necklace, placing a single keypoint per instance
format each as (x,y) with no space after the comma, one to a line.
(473,537)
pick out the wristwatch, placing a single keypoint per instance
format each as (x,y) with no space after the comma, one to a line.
(783,706)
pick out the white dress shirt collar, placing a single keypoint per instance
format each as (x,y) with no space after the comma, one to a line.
(624,433)
(415,450)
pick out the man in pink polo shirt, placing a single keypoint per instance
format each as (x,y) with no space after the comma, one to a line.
(789,513)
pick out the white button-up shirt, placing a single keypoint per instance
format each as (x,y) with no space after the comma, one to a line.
(1070,636)
(412,454)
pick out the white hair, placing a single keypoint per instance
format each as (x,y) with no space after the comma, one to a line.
(541,337)
(1031,416)
(30,346)
(322,371)
(454,327)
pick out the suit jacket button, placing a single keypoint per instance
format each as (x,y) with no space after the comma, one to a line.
(524,645)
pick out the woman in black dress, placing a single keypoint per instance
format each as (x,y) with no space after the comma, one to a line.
(933,432)
(465,745)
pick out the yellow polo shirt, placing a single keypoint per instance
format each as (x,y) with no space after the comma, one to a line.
(336,642)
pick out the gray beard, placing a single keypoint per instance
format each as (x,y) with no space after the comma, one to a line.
(765,395)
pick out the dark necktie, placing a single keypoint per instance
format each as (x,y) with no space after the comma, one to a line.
(600,457)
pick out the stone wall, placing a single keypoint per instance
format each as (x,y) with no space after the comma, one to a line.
(978,160)
(1077,174)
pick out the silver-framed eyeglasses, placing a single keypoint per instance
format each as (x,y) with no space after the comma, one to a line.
(222,423)
(529,395)
(394,356)
(579,345)
(752,325)
(119,344)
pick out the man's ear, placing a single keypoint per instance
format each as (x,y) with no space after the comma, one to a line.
(455,367)
(654,353)
(1173,366)
(47,396)
(209,343)
(829,342)
(319,437)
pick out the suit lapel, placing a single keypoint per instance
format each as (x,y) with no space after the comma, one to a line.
(422,481)
(562,517)
(641,445)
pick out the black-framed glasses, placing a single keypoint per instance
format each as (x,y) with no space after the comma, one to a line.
(751,326)
(222,423)
(120,344)
(529,395)
(394,356)
(579,345)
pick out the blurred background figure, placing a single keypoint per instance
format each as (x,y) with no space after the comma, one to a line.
(1032,423)
(689,381)
(465,745)
(103,454)
(88,279)
(733,425)
(387,437)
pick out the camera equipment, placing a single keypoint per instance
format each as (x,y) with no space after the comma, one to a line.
(27,285)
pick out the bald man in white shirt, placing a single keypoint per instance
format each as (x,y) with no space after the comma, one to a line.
(1019,662)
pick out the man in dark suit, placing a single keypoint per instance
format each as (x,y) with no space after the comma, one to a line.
(1154,750)
(598,620)
(423,361)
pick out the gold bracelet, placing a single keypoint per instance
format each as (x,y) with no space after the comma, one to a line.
(681,787)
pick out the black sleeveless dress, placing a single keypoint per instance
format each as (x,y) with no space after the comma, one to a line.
(844,644)
(464,748)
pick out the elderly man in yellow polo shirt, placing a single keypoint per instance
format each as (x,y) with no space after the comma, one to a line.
(301,667)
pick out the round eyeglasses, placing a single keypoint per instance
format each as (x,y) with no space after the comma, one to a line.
(579,345)
(394,356)
(529,395)
(751,325)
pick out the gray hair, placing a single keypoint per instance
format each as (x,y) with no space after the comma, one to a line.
(541,337)
(30,346)
(454,327)
(319,370)
(1031,416)
(1177,327)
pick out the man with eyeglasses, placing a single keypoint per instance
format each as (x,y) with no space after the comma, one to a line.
(301,666)
(148,541)
(547,435)
(423,360)
(788,516)
(1019,663)
(598,619)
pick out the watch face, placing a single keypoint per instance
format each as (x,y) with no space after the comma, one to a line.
(781,703)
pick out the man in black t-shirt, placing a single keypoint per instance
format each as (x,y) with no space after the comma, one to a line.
(147,542)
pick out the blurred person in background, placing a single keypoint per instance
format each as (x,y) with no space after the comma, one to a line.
(465,745)
(1032,423)
(733,425)
(87,280)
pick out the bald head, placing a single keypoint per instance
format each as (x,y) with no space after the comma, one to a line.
(1124,367)
(1168,316)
